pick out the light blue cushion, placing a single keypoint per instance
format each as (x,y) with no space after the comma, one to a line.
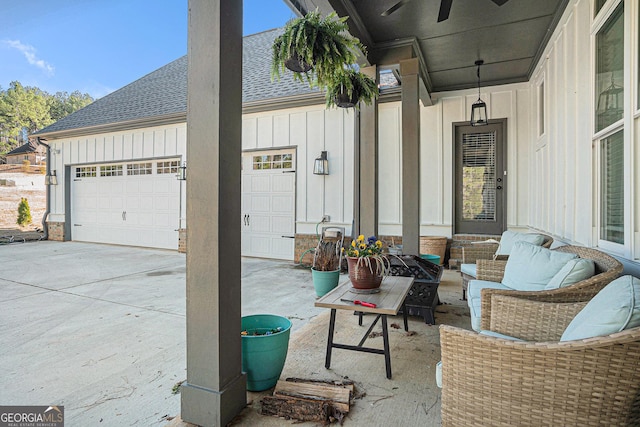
(531,267)
(439,374)
(474,299)
(509,238)
(499,335)
(469,269)
(614,309)
(572,272)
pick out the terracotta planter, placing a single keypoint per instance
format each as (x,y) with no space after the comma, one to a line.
(361,276)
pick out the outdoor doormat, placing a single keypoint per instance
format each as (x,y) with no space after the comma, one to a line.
(326,401)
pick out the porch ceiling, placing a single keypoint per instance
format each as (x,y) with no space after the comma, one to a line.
(509,38)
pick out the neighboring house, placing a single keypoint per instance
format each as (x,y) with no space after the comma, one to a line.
(31,151)
(559,160)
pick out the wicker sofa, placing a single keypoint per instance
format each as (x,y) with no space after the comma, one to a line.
(543,382)
(472,252)
(607,269)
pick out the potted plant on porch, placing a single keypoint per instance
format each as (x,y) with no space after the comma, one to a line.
(311,42)
(326,266)
(367,265)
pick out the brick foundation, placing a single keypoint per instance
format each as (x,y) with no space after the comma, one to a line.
(182,240)
(56,231)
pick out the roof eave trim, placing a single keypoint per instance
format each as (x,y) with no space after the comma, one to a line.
(167,119)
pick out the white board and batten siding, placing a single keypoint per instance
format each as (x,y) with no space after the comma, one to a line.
(123,186)
(306,132)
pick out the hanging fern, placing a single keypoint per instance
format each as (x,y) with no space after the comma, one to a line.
(353,84)
(322,43)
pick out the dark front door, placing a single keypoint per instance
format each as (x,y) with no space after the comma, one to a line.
(480,178)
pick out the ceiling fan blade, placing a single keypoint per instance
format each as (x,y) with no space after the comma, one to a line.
(499,2)
(445,8)
(394,8)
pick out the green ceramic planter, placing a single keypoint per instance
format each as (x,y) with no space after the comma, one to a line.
(324,281)
(263,356)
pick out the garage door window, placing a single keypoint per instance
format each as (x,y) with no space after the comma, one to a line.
(139,169)
(277,161)
(86,172)
(167,167)
(111,170)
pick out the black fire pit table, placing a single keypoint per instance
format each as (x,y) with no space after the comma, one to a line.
(422,298)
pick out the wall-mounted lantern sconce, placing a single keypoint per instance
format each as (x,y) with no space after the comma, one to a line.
(479,108)
(51,178)
(182,172)
(321,165)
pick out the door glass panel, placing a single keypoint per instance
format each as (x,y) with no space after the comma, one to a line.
(612,188)
(479,176)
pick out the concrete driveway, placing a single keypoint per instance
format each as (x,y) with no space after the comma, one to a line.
(101,329)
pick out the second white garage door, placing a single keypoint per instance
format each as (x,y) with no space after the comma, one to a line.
(133,203)
(268,204)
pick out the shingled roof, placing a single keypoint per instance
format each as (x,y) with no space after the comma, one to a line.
(29,147)
(164,92)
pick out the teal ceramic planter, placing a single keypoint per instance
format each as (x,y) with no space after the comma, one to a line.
(324,281)
(263,356)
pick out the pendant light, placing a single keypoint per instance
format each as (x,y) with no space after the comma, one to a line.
(479,108)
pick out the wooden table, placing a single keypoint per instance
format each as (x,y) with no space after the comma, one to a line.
(389,300)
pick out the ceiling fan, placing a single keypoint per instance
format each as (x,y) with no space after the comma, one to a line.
(443,14)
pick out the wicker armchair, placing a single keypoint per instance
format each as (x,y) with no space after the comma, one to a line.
(472,252)
(607,269)
(497,382)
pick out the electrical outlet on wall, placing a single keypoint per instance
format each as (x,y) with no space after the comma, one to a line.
(326,218)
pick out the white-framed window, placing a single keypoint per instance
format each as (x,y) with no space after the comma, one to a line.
(611,193)
(541,108)
(275,161)
(609,71)
(612,225)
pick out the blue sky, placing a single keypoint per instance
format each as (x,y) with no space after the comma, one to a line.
(98,46)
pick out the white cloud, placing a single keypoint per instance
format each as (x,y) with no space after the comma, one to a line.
(29,52)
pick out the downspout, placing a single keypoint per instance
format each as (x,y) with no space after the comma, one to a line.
(48,208)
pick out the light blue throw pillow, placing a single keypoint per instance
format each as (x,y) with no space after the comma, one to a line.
(469,269)
(615,308)
(573,272)
(531,268)
(509,238)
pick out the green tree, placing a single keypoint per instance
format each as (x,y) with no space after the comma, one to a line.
(23,110)
(24,212)
(62,103)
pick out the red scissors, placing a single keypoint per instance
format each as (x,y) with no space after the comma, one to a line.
(358,302)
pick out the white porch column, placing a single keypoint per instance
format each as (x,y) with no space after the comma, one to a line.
(215,390)
(410,73)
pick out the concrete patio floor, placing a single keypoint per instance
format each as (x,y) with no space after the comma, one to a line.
(100,329)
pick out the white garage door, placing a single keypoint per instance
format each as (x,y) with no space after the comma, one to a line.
(268,204)
(133,203)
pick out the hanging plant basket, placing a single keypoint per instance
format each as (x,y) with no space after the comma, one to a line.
(348,87)
(311,42)
(344,100)
(296,64)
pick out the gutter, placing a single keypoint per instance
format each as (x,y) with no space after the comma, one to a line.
(48,208)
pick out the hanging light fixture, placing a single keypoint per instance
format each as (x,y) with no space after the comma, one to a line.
(479,108)
(611,99)
(321,165)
